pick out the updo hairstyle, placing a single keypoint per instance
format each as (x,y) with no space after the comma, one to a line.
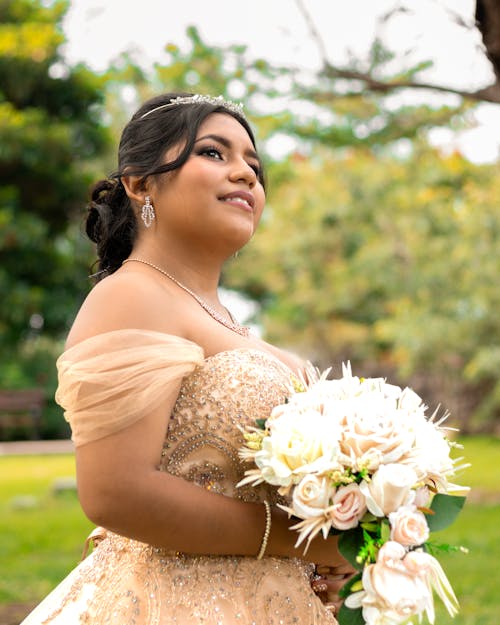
(111,221)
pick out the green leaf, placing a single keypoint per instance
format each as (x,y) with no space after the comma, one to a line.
(346,616)
(350,542)
(385,531)
(261,423)
(446,508)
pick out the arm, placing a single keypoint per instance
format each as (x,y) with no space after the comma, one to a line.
(121,489)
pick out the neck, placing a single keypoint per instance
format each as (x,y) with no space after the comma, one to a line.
(198,271)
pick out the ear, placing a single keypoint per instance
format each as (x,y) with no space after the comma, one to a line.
(136,188)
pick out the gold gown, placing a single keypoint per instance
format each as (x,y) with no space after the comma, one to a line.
(105,384)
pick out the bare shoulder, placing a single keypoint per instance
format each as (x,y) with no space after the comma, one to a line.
(127,300)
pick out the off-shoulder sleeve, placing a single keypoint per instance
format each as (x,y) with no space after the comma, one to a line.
(111,380)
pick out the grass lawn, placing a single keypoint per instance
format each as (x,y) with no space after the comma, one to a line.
(41,534)
(41,538)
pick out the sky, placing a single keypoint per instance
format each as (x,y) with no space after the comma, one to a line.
(98,30)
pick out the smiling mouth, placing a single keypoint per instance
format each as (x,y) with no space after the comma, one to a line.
(238,200)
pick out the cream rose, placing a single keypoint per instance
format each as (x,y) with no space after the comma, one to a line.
(390,487)
(391,594)
(408,526)
(348,508)
(425,566)
(298,443)
(312,496)
(373,422)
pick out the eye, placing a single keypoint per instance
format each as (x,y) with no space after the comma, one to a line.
(211,151)
(257,169)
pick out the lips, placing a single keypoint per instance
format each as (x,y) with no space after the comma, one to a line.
(243,198)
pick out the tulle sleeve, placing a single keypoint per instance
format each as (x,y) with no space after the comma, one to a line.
(111,380)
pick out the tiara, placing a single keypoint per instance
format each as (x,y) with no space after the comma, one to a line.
(234,107)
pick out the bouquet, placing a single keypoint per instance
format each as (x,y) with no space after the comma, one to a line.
(359,458)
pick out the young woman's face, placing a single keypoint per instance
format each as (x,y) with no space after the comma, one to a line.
(215,197)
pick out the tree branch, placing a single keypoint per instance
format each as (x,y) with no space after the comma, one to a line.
(488,18)
(314,31)
(491,93)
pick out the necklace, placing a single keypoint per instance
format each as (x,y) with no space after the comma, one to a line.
(231,324)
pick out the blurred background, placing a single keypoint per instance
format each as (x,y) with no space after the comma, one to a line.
(379,125)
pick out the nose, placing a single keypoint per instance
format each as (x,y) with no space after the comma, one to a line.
(242,171)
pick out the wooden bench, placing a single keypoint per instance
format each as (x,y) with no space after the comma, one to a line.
(21,409)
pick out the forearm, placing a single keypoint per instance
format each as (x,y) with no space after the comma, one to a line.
(169,512)
(121,488)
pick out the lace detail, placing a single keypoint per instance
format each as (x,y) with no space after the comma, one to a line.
(125,582)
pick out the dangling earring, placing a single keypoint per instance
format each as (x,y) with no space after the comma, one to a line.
(148,212)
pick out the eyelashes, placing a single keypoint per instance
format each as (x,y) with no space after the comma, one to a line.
(212,151)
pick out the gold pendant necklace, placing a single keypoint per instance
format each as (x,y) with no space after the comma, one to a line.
(230,324)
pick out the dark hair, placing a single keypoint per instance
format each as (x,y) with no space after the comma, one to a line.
(111,222)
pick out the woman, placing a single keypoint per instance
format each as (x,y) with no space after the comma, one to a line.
(157,379)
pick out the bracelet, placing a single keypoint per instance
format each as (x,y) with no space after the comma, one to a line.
(267,531)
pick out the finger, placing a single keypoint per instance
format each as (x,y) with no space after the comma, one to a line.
(319,586)
(332,588)
(333,607)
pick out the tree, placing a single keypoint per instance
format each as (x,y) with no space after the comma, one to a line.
(49,132)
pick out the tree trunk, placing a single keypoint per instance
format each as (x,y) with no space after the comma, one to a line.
(488,23)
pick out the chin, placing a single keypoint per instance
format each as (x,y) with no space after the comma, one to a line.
(236,238)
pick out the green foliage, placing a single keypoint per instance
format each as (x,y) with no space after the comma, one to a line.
(445,510)
(49,123)
(349,544)
(49,130)
(346,616)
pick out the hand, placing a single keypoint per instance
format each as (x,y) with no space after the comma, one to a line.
(328,581)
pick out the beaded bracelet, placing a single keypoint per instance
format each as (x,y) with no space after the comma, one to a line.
(267,531)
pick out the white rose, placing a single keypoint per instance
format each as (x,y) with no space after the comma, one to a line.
(389,488)
(391,594)
(408,526)
(348,508)
(312,496)
(417,563)
(296,441)
(391,554)
(425,566)
(373,422)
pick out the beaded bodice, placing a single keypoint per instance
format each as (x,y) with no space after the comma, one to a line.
(229,391)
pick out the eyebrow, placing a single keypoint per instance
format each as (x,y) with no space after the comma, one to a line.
(227,144)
